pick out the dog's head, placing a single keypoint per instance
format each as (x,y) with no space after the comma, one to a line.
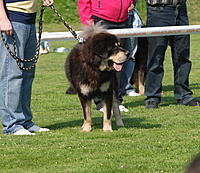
(103,52)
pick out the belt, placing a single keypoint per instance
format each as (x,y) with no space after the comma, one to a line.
(166,5)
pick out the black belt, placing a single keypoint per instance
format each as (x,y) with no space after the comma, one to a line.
(166,5)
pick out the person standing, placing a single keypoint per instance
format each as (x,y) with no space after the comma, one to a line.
(18,18)
(162,13)
(114,15)
(131,45)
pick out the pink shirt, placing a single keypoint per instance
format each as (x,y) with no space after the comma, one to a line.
(111,10)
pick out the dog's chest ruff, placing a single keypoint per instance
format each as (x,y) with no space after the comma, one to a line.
(88,89)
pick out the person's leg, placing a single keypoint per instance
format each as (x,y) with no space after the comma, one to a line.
(182,67)
(127,72)
(128,68)
(11,84)
(155,69)
(180,47)
(156,16)
(28,76)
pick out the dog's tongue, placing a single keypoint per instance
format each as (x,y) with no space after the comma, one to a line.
(117,67)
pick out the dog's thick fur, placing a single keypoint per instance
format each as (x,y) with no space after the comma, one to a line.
(90,70)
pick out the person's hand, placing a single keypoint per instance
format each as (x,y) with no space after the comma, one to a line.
(6,26)
(48,3)
(130,9)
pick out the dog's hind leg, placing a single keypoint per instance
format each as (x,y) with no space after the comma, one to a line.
(86,105)
(141,79)
(116,112)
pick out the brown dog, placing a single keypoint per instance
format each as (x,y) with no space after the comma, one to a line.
(90,70)
(139,73)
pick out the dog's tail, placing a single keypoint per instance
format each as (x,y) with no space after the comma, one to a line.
(92,29)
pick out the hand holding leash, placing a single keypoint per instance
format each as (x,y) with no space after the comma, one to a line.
(5,25)
(48,3)
(36,56)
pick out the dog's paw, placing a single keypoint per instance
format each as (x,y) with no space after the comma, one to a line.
(107,128)
(119,122)
(86,127)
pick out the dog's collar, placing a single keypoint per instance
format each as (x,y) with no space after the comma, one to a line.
(81,42)
(106,66)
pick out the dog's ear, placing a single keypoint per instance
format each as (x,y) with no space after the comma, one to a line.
(103,43)
(100,49)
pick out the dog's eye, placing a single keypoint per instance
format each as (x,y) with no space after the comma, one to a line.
(117,43)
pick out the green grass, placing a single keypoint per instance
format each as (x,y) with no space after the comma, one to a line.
(152,141)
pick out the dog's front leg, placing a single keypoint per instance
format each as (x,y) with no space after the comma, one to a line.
(86,105)
(107,106)
(116,112)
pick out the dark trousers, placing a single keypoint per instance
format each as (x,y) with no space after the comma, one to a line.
(112,25)
(180,50)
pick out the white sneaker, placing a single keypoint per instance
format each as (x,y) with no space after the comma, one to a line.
(101,110)
(36,128)
(133,93)
(44,47)
(23,132)
(123,109)
(44,51)
(43,130)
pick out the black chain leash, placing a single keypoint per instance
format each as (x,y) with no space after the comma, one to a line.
(68,26)
(36,56)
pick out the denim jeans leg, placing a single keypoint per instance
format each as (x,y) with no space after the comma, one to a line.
(28,77)
(128,67)
(155,68)
(10,93)
(13,87)
(167,16)
(127,72)
(182,67)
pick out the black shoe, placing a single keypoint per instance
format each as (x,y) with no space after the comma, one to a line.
(193,102)
(151,104)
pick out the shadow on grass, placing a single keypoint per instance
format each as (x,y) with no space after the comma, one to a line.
(97,124)
(171,87)
(165,100)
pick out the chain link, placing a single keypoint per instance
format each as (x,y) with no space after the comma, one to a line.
(36,56)
(81,40)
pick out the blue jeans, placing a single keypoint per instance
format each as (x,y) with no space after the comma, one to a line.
(16,84)
(128,67)
(180,50)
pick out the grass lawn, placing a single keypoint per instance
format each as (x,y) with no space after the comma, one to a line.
(163,140)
